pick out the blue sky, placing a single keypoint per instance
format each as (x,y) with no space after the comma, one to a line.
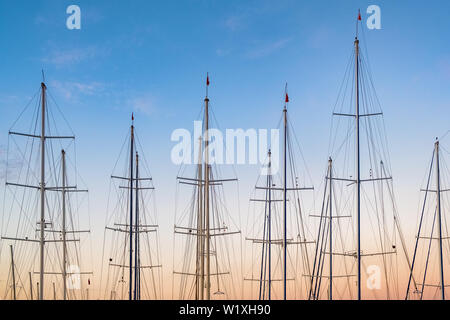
(151,57)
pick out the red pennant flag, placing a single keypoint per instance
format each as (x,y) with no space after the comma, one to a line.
(287,98)
(359,15)
(89,281)
(132,116)
(207,80)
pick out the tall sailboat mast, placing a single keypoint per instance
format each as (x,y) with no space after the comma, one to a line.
(135,208)
(46,226)
(64,231)
(206,204)
(200,284)
(136,239)
(439,214)
(269,224)
(130,284)
(361,101)
(42,190)
(31,285)
(13,273)
(205,223)
(435,231)
(265,270)
(285,195)
(330,201)
(358,168)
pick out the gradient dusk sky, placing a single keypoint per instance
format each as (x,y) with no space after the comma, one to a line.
(151,58)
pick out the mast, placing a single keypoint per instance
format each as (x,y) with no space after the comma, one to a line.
(136,256)
(285,196)
(13,273)
(64,231)
(134,195)
(269,223)
(130,285)
(201,275)
(330,164)
(208,244)
(439,213)
(358,169)
(200,239)
(42,190)
(31,286)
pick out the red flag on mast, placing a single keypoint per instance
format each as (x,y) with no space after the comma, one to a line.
(207,80)
(287,98)
(359,15)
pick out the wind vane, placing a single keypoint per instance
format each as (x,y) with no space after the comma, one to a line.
(359,19)
(207,83)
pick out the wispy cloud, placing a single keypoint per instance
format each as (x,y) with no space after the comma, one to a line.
(223,52)
(59,57)
(40,20)
(144,104)
(234,22)
(72,90)
(268,48)
(319,38)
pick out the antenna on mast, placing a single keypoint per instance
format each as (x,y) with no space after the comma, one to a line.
(286,97)
(359,19)
(207,84)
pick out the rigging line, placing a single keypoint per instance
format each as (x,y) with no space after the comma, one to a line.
(317,242)
(444,135)
(300,224)
(300,150)
(419,229)
(428,255)
(142,155)
(26,147)
(341,89)
(340,232)
(25,108)
(59,109)
(323,248)
(344,97)
(368,74)
(319,250)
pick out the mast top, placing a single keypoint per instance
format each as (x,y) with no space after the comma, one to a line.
(207,85)
(286,100)
(359,19)
(43,76)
